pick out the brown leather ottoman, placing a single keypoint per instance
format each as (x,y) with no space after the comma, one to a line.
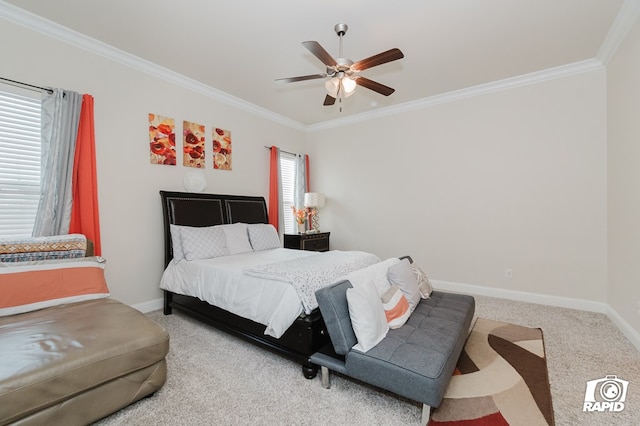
(76,363)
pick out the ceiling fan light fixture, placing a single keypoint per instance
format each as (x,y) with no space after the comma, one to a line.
(342,74)
(332,86)
(349,85)
(346,84)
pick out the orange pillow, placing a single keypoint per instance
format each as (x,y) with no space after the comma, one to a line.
(396,307)
(28,286)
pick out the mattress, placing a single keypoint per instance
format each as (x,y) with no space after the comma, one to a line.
(221,282)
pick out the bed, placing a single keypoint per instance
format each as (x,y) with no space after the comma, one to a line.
(297,341)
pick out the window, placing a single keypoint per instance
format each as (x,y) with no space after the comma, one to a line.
(19,163)
(287,182)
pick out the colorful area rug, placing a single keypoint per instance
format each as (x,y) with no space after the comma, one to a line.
(501,379)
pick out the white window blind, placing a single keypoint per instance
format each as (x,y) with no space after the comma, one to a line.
(19,163)
(287,177)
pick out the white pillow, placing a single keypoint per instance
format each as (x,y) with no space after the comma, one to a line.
(237,238)
(203,242)
(263,236)
(402,275)
(176,242)
(376,274)
(367,316)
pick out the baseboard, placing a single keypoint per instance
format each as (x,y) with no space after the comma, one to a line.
(522,296)
(151,305)
(624,327)
(543,299)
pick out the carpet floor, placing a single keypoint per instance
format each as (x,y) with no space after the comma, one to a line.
(215,378)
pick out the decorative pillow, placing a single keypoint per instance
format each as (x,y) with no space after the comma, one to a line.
(69,246)
(237,238)
(367,316)
(263,236)
(204,242)
(402,276)
(28,286)
(423,282)
(376,274)
(396,307)
(176,242)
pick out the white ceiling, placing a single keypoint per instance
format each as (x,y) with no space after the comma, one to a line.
(242,47)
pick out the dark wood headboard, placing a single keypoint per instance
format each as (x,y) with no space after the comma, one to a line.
(197,209)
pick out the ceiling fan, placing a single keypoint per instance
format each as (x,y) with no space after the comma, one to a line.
(343,72)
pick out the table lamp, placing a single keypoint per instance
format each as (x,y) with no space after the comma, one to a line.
(313,201)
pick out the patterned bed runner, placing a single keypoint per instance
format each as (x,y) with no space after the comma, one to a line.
(308,274)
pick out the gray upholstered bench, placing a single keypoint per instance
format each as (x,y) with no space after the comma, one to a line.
(415,361)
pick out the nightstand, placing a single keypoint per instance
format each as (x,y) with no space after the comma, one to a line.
(316,241)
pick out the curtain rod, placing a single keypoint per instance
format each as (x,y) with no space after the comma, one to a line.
(26,85)
(282,150)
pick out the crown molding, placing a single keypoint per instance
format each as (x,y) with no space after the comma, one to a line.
(626,18)
(481,89)
(74,38)
(629,12)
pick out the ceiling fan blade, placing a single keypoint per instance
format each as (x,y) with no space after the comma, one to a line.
(301,78)
(379,59)
(374,85)
(319,52)
(329,100)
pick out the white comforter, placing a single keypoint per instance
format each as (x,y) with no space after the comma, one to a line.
(221,282)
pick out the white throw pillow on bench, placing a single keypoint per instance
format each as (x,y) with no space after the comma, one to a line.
(367,316)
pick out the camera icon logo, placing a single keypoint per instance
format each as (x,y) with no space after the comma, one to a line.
(606,394)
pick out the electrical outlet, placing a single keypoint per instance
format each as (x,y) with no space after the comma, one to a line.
(508,273)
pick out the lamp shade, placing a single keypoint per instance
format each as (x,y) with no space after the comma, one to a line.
(332,86)
(314,199)
(347,86)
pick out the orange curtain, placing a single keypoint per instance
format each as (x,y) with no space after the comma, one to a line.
(306,171)
(274,198)
(84,211)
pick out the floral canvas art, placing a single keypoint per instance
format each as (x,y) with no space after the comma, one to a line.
(162,140)
(193,144)
(221,149)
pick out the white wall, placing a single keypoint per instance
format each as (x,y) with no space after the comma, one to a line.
(623,84)
(514,179)
(130,208)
